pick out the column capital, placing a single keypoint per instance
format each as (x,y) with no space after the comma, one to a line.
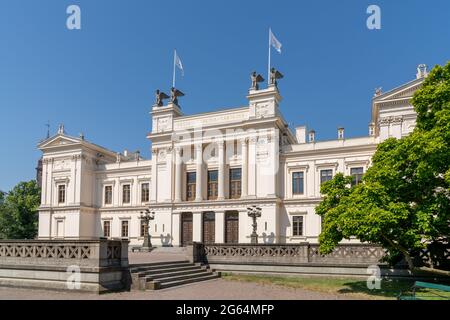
(244,140)
(253,139)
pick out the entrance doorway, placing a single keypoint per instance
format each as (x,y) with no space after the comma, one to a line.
(231,227)
(186,228)
(209,227)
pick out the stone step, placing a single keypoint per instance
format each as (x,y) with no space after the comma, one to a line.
(157,266)
(210,276)
(156,273)
(172,275)
(183,277)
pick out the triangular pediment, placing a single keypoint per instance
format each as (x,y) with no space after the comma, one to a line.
(405,91)
(58,141)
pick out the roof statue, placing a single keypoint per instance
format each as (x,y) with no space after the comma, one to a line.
(61,129)
(160,97)
(378,92)
(174,94)
(274,76)
(256,78)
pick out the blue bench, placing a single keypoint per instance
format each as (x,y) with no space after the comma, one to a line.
(426,285)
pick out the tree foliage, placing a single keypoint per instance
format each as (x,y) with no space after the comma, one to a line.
(19,211)
(403,202)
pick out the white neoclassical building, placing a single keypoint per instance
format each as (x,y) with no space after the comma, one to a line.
(206,170)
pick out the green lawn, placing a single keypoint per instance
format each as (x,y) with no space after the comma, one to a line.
(351,287)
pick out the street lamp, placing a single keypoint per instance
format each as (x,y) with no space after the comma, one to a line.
(146,217)
(254,212)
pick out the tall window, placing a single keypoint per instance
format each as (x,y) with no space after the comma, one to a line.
(235,147)
(145,192)
(107,229)
(126,193)
(297,225)
(212,185)
(190,187)
(326,175)
(62,193)
(108,195)
(298,182)
(125,229)
(144,230)
(356,174)
(235,183)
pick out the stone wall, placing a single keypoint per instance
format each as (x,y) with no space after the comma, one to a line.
(93,265)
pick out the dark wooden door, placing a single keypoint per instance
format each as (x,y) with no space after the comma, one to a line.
(231,227)
(186,228)
(209,227)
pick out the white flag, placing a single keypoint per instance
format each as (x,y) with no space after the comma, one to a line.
(274,41)
(178,63)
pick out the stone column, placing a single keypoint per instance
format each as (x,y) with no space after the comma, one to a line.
(153,189)
(244,191)
(220,227)
(199,173)
(178,175)
(221,178)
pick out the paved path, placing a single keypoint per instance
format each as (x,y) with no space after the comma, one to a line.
(218,289)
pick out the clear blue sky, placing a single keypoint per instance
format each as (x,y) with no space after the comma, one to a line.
(101,79)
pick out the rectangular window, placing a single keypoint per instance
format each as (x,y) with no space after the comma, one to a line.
(190,185)
(326,175)
(297,226)
(356,174)
(144,230)
(235,183)
(298,182)
(107,229)
(108,195)
(212,184)
(124,229)
(62,193)
(126,194)
(235,147)
(145,192)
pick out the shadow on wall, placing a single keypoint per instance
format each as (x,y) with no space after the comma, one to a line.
(166,240)
(268,239)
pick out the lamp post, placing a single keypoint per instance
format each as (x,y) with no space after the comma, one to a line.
(254,212)
(146,217)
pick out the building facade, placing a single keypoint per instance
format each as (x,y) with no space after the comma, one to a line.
(206,170)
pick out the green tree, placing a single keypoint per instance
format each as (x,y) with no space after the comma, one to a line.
(403,202)
(19,212)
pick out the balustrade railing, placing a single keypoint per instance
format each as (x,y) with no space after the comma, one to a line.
(289,254)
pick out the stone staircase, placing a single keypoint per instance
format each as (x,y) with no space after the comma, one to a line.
(161,275)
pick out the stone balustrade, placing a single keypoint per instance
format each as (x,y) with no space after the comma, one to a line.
(102,264)
(287,254)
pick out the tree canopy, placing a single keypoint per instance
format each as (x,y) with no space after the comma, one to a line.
(19,211)
(403,202)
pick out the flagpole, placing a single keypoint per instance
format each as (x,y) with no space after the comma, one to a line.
(174,61)
(268,67)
